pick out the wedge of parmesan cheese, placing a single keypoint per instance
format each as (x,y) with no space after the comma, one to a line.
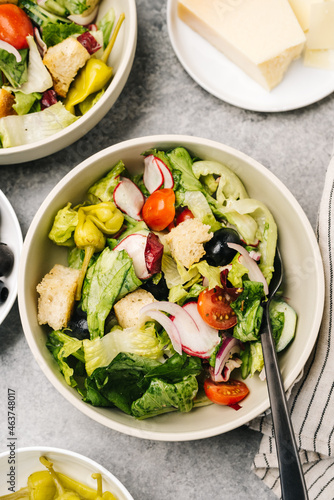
(262,37)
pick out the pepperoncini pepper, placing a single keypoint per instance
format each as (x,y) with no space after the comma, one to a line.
(94,221)
(93,76)
(52,485)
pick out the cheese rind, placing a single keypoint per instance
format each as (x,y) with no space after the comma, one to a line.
(260,36)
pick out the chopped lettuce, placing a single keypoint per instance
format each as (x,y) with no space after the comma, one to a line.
(110,278)
(124,382)
(64,225)
(249,311)
(237,272)
(200,208)
(252,359)
(103,189)
(38,77)
(20,130)
(230,186)
(106,24)
(15,72)
(62,346)
(143,341)
(25,102)
(54,33)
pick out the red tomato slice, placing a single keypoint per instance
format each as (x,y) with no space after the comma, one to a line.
(214,307)
(225,393)
(159,210)
(184,215)
(15,26)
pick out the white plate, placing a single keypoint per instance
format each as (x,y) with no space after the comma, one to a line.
(26,461)
(10,233)
(300,87)
(121,59)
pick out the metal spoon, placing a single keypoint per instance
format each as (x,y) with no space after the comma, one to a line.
(291,474)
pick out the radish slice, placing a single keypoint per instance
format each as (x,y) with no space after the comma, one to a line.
(229,346)
(195,340)
(12,50)
(83,20)
(169,326)
(128,198)
(167,174)
(135,245)
(153,177)
(254,272)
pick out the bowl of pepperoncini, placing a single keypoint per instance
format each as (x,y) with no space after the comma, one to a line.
(43,473)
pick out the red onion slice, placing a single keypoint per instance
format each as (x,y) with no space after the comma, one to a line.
(166,323)
(229,347)
(254,272)
(12,50)
(41,45)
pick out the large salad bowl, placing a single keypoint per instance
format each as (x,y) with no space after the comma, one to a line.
(120,59)
(303,283)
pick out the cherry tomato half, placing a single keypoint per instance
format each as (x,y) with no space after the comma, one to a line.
(15,26)
(214,307)
(225,393)
(159,210)
(184,215)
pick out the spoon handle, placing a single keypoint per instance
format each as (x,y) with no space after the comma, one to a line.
(291,473)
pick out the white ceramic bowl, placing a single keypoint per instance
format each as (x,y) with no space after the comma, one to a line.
(25,461)
(121,59)
(304,283)
(10,233)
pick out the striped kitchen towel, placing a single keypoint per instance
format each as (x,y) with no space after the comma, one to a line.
(311,398)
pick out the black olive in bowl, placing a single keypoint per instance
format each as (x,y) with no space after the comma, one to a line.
(6,260)
(217,251)
(4,292)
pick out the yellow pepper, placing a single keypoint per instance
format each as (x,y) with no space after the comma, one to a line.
(93,222)
(52,485)
(93,76)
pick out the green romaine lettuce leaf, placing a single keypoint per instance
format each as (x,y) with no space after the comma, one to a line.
(38,77)
(54,33)
(249,311)
(63,346)
(162,397)
(106,24)
(15,72)
(110,278)
(24,102)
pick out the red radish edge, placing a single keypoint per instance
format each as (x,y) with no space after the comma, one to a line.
(128,198)
(167,174)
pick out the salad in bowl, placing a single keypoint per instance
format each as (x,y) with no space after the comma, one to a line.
(62,64)
(159,306)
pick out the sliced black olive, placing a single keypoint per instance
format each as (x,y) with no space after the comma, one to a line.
(217,251)
(3,292)
(159,291)
(78,324)
(6,260)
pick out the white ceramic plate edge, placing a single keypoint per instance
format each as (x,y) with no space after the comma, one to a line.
(10,233)
(81,458)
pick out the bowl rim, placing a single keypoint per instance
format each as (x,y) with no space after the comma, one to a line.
(16,229)
(85,123)
(90,411)
(78,456)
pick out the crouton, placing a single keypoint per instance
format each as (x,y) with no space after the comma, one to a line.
(7,99)
(57,296)
(127,309)
(186,240)
(64,61)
